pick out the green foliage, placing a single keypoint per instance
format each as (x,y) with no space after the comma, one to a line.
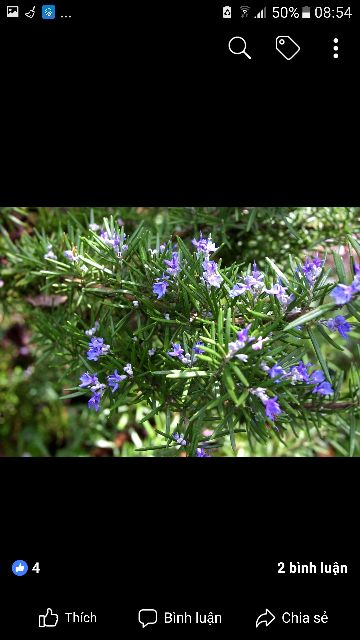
(211,400)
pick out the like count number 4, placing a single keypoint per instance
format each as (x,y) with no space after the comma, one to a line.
(20,568)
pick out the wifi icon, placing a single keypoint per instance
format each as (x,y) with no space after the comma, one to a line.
(245,11)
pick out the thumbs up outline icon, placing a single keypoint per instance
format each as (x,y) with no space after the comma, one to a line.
(49,619)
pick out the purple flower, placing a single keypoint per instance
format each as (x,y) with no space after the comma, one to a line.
(253,283)
(243,336)
(198,347)
(316,377)
(162,248)
(211,274)
(100,388)
(152,352)
(339,324)
(242,357)
(355,285)
(87,379)
(90,332)
(173,265)
(258,345)
(92,354)
(312,269)
(200,453)
(93,226)
(115,241)
(342,293)
(70,255)
(50,255)
(233,348)
(97,348)
(159,287)
(260,392)
(324,389)
(276,371)
(114,380)
(204,245)
(280,293)
(210,246)
(94,402)
(200,244)
(272,408)
(177,350)
(110,240)
(186,359)
(128,369)
(299,372)
(257,275)
(179,438)
(238,289)
(242,339)
(96,343)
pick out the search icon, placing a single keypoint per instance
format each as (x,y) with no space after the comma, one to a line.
(234,45)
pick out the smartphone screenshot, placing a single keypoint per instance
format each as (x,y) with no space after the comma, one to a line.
(179,319)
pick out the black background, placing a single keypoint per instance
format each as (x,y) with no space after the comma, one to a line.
(143,102)
(114,536)
(142,105)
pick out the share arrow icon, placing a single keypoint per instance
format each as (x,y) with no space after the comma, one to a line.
(266,617)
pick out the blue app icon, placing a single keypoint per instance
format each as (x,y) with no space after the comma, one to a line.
(19,568)
(48,12)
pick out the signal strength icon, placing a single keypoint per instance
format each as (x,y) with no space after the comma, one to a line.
(261,14)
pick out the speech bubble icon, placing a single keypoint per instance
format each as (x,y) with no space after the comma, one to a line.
(147,616)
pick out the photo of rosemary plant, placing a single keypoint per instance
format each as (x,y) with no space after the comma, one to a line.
(182,332)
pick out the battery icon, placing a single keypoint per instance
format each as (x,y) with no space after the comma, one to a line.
(305,12)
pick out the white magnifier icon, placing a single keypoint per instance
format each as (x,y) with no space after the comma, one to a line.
(237,45)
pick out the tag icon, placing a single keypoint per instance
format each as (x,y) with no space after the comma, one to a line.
(287,47)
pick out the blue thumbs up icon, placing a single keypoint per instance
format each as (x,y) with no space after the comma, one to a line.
(19,568)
